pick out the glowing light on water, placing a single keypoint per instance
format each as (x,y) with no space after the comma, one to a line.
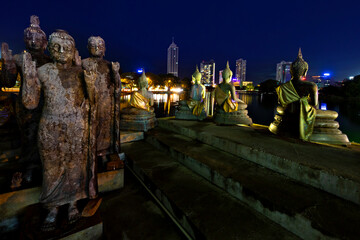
(323,106)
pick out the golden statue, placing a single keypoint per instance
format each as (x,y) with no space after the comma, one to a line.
(229,109)
(143,99)
(194,107)
(139,116)
(298,113)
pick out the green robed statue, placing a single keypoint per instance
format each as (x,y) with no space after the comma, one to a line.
(298,100)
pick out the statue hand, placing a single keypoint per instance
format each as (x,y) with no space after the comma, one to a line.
(90,76)
(6,53)
(29,66)
(115,66)
(77,58)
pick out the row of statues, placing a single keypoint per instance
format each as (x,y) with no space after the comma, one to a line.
(229,109)
(68,112)
(297,115)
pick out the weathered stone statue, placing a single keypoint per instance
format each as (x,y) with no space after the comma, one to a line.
(104,94)
(194,107)
(298,112)
(229,109)
(139,116)
(63,129)
(28,120)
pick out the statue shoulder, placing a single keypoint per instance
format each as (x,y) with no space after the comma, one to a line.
(85,62)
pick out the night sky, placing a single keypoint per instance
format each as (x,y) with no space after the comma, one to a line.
(138,33)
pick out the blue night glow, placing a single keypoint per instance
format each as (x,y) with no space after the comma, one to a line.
(326,74)
(140,70)
(323,106)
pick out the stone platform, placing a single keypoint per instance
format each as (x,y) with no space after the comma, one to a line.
(293,186)
(13,203)
(130,136)
(333,169)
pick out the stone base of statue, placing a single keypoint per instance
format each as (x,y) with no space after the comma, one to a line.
(134,119)
(285,124)
(232,118)
(84,228)
(185,113)
(326,129)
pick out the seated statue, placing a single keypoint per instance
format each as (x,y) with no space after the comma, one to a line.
(229,109)
(298,114)
(139,115)
(27,119)
(63,133)
(194,108)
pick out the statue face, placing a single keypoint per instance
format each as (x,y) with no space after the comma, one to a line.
(96,48)
(61,50)
(35,40)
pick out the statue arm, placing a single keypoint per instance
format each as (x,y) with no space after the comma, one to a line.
(314,97)
(115,67)
(233,94)
(90,78)
(9,70)
(31,84)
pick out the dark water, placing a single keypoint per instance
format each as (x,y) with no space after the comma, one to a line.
(262,110)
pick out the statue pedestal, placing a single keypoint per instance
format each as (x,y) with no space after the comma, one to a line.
(133,119)
(185,113)
(84,228)
(231,118)
(326,129)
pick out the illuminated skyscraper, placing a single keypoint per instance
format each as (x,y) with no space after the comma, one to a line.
(241,71)
(207,70)
(283,72)
(173,59)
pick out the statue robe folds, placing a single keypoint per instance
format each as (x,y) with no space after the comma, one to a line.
(62,135)
(224,99)
(287,94)
(196,106)
(139,101)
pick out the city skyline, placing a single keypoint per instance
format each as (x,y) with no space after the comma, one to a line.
(173,59)
(328,39)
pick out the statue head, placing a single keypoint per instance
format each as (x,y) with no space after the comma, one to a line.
(227,73)
(196,77)
(62,47)
(96,46)
(299,67)
(143,82)
(34,37)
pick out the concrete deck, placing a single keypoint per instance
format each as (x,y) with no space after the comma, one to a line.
(203,210)
(332,169)
(304,210)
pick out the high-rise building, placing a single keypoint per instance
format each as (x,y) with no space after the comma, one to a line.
(207,70)
(173,59)
(283,72)
(241,71)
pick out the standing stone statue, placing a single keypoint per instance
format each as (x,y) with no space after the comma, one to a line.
(27,119)
(298,114)
(139,116)
(229,109)
(63,129)
(194,107)
(104,94)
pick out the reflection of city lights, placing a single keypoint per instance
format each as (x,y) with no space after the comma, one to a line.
(323,106)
